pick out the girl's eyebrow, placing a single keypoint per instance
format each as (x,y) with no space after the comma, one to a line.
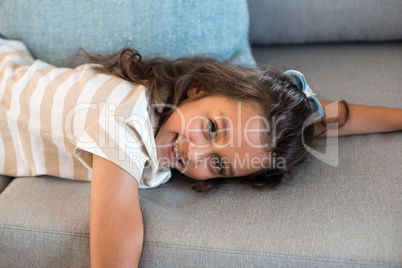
(231,173)
(223,117)
(224,125)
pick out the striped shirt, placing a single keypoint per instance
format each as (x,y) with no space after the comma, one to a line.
(52,120)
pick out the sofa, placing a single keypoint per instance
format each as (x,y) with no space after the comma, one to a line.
(343,213)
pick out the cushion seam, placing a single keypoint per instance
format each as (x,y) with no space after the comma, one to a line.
(272,255)
(50,231)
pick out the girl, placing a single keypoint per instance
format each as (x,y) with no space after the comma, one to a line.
(123,123)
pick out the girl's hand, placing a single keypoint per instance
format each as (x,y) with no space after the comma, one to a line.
(116,226)
(362,119)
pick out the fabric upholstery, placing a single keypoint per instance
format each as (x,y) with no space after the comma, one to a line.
(348,215)
(54,31)
(310,21)
(44,222)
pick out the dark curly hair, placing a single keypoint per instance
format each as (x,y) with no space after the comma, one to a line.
(286,107)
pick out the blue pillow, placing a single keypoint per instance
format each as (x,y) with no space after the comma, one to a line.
(55,30)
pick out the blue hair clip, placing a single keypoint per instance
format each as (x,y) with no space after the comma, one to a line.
(298,79)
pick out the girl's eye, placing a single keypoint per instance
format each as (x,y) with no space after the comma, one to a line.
(212,129)
(219,165)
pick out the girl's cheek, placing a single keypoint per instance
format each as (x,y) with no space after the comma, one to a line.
(176,122)
(199,173)
(196,130)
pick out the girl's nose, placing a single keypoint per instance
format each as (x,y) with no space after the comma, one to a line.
(191,151)
(195,153)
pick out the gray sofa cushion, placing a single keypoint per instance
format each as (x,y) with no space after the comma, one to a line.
(367,74)
(44,222)
(343,216)
(295,21)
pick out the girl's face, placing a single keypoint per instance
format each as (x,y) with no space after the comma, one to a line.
(213,137)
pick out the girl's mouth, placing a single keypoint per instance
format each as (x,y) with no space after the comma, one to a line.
(173,152)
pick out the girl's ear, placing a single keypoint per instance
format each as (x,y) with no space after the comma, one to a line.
(195,92)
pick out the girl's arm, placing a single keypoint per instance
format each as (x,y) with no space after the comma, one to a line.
(116,226)
(362,119)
